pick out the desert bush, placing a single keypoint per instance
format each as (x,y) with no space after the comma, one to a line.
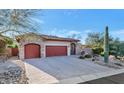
(12,46)
(102,54)
(88,56)
(2,50)
(82,57)
(2,44)
(97,50)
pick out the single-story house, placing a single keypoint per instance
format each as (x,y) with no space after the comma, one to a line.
(34,45)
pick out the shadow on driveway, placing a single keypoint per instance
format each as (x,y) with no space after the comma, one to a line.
(115,79)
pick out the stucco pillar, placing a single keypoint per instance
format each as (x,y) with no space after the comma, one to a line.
(21,52)
(68,50)
(42,50)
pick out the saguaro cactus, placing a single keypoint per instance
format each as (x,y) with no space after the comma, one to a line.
(106,45)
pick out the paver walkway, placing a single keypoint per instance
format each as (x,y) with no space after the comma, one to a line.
(65,69)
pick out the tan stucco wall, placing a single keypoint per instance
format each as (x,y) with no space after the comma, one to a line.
(28,40)
(78,48)
(43,44)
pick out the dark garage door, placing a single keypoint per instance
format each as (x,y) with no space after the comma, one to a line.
(56,51)
(32,51)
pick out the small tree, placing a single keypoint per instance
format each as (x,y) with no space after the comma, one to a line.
(2,45)
(106,45)
(114,47)
(18,21)
(94,39)
(4,41)
(121,49)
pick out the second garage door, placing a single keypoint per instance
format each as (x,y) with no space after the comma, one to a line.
(56,51)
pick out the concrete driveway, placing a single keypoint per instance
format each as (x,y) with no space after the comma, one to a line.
(66,69)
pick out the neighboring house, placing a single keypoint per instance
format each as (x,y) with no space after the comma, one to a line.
(33,45)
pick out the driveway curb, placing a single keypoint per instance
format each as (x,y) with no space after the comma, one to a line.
(84,78)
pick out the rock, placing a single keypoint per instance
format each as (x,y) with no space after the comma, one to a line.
(112,58)
(88,51)
(12,74)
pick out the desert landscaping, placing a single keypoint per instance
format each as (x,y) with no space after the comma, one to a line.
(28,56)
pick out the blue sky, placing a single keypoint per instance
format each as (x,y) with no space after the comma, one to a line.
(67,22)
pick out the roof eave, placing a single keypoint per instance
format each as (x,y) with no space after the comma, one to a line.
(62,40)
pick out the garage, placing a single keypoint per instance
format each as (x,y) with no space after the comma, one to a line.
(56,51)
(33,45)
(32,51)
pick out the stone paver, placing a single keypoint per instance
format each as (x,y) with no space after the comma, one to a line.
(66,69)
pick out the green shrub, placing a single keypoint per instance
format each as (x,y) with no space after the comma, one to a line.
(13,46)
(93,59)
(102,54)
(2,44)
(82,57)
(97,50)
(88,56)
(2,50)
(112,52)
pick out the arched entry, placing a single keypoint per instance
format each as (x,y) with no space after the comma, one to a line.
(32,51)
(73,49)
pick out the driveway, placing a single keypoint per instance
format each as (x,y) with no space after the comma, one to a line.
(67,69)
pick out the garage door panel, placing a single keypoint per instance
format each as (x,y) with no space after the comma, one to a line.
(32,51)
(56,51)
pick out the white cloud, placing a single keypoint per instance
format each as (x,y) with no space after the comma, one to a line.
(118,32)
(87,31)
(57,32)
(83,33)
(66,33)
(73,32)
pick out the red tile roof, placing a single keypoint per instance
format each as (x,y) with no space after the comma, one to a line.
(51,38)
